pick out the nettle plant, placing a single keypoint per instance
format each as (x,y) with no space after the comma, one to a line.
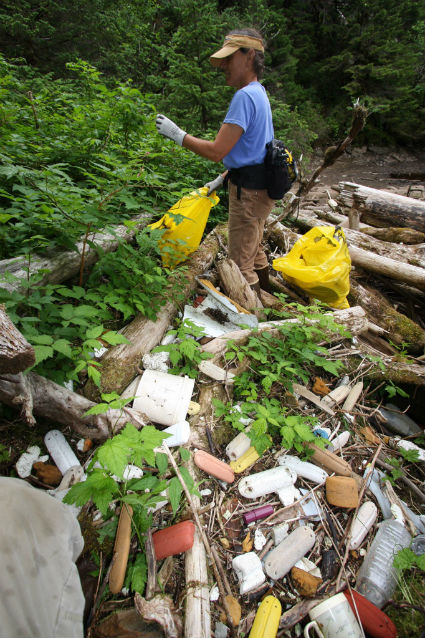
(109,487)
(273,362)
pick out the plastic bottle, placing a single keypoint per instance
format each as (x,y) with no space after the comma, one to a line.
(377,578)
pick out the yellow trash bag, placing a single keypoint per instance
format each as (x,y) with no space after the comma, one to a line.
(320,264)
(182,237)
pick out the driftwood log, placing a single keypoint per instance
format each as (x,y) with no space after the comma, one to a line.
(62,266)
(44,398)
(396,235)
(378,309)
(380,264)
(383,208)
(354,319)
(198,614)
(121,363)
(16,354)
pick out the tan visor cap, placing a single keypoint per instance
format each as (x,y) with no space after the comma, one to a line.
(231,44)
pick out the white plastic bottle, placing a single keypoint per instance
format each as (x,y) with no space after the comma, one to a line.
(377,578)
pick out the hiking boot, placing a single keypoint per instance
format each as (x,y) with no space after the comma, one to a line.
(263,278)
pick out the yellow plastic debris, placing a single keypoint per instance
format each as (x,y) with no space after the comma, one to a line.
(266,621)
(320,264)
(183,236)
(245,461)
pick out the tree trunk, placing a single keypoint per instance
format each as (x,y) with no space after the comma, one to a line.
(16,354)
(59,405)
(120,364)
(64,265)
(400,328)
(236,286)
(354,319)
(384,209)
(397,370)
(396,235)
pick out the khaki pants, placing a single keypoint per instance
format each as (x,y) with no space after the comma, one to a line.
(247,216)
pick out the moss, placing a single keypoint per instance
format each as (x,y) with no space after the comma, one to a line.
(410,593)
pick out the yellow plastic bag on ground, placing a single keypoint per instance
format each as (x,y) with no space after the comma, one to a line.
(320,264)
(183,236)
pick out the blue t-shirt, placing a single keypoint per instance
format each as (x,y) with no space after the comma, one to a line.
(249,109)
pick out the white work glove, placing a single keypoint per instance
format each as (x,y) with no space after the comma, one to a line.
(215,184)
(169,129)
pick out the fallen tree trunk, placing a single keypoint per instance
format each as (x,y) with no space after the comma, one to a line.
(396,235)
(65,265)
(407,273)
(120,364)
(400,328)
(51,401)
(353,319)
(394,369)
(382,208)
(16,354)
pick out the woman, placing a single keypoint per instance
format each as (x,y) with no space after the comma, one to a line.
(241,145)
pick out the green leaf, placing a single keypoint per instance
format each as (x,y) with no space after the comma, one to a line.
(94,333)
(45,340)
(137,574)
(184,454)
(42,353)
(174,493)
(64,347)
(113,455)
(98,487)
(113,338)
(161,462)
(94,375)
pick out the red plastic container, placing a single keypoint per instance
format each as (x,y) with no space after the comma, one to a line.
(375,623)
(173,540)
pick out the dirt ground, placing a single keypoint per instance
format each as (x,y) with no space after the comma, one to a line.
(394,171)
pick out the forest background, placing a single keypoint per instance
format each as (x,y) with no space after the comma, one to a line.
(80,85)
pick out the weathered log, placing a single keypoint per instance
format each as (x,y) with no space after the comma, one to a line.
(411,275)
(353,319)
(378,309)
(414,254)
(16,354)
(120,364)
(236,286)
(64,265)
(59,405)
(390,368)
(407,273)
(198,614)
(383,208)
(395,234)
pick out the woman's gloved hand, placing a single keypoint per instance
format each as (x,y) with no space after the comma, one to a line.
(169,129)
(215,184)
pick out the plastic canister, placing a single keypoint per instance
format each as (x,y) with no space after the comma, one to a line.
(164,398)
(173,540)
(238,446)
(60,450)
(303,468)
(362,522)
(377,578)
(282,558)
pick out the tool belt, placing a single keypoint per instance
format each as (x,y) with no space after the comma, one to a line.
(252,177)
